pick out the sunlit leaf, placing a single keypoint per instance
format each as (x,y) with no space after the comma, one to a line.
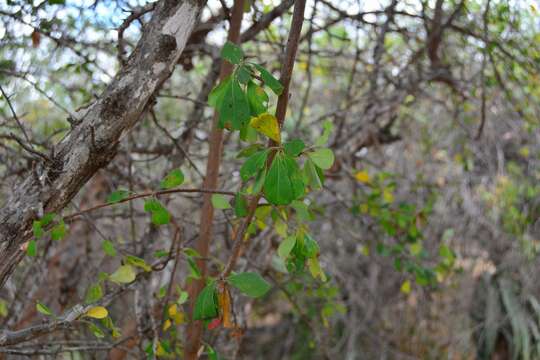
(323,158)
(123,275)
(267,124)
(97,312)
(42,308)
(173,179)
(108,248)
(286,246)
(220,201)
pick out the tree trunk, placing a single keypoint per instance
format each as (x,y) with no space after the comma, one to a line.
(92,143)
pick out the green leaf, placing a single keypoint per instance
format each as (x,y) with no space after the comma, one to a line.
(42,308)
(173,179)
(161,217)
(220,201)
(212,354)
(328,127)
(286,246)
(3,308)
(294,147)
(284,181)
(161,253)
(191,252)
(183,297)
(243,74)
(93,294)
(206,303)
(37,229)
(234,111)
(270,80)
(58,231)
(193,268)
(259,181)
(138,262)
(232,53)
(108,248)
(311,248)
(253,164)
(257,98)
(323,158)
(159,214)
(31,250)
(315,269)
(117,196)
(98,333)
(152,205)
(302,211)
(240,205)
(123,275)
(249,150)
(215,98)
(250,283)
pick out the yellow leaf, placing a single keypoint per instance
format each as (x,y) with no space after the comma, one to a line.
(97,312)
(268,125)
(173,309)
(315,269)
(179,318)
(388,196)
(362,176)
(406,287)
(167,324)
(160,351)
(364,250)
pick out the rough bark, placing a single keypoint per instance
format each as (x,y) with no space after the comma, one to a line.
(92,142)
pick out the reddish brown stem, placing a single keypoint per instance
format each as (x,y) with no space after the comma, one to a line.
(202,245)
(281,110)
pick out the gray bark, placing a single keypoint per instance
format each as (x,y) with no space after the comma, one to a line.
(92,143)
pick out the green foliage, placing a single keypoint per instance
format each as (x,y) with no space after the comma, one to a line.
(220,201)
(108,248)
(253,164)
(250,283)
(137,262)
(94,293)
(31,250)
(159,214)
(284,181)
(269,80)
(117,196)
(206,306)
(323,158)
(123,275)
(173,179)
(232,53)
(58,232)
(240,205)
(42,308)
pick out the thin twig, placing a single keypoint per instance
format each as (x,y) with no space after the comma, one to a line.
(148,194)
